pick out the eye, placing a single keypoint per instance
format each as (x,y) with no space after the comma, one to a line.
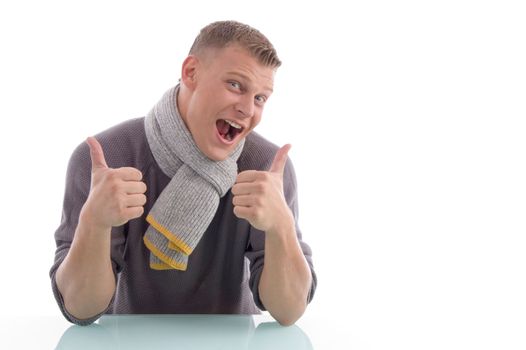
(235,84)
(261,99)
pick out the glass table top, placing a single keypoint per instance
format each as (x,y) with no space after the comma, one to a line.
(182,332)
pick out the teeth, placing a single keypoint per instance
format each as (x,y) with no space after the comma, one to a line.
(235,125)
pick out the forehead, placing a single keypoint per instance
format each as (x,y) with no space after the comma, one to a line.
(235,60)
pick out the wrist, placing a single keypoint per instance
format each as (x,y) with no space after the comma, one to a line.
(88,220)
(283,226)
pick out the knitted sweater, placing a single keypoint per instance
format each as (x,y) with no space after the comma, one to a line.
(223,271)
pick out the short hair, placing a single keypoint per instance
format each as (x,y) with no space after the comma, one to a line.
(220,34)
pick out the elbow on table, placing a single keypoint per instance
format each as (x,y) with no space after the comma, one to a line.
(289,317)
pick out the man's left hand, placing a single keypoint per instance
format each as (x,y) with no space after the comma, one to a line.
(259,197)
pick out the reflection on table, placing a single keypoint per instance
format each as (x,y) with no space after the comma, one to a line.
(190,332)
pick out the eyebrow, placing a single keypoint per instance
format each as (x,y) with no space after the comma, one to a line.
(246,78)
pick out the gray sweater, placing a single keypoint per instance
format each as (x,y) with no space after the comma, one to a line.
(223,271)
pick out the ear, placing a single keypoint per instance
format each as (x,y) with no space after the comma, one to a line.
(189,71)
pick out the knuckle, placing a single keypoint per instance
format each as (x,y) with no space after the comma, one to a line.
(264,189)
(138,212)
(112,175)
(114,188)
(121,210)
(260,187)
(122,217)
(121,205)
(249,212)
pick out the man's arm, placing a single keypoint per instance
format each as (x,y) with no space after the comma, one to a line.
(85,278)
(286,277)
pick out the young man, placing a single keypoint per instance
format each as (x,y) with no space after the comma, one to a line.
(187,210)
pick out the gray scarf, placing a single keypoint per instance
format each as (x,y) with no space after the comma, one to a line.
(187,205)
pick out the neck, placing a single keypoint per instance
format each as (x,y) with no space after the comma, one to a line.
(183,98)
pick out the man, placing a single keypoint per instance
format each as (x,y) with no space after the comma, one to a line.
(187,210)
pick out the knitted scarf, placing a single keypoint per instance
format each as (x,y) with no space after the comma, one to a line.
(185,208)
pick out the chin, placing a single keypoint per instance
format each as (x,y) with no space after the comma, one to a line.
(217,155)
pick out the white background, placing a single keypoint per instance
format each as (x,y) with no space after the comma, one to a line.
(407,121)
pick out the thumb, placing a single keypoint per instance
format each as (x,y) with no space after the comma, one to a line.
(280,159)
(96,153)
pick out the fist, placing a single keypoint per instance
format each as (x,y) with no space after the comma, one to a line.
(116,195)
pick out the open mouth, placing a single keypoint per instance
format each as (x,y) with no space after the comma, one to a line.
(228,130)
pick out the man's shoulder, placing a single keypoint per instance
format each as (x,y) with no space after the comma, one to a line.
(258,153)
(124,144)
(127,128)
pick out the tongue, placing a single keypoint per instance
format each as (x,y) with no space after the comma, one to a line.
(222,127)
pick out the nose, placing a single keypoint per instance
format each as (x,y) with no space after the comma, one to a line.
(245,106)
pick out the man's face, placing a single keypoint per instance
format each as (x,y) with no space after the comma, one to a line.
(228,93)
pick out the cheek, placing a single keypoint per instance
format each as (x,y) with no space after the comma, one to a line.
(201,110)
(257,119)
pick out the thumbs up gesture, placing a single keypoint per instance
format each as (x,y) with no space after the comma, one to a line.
(116,195)
(258,195)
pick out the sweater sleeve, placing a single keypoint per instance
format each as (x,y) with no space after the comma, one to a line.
(78,179)
(256,245)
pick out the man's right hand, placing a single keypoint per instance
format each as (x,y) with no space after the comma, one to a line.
(116,195)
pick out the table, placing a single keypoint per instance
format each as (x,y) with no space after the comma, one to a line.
(189,332)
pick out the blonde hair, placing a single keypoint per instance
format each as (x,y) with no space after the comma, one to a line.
(223,33)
